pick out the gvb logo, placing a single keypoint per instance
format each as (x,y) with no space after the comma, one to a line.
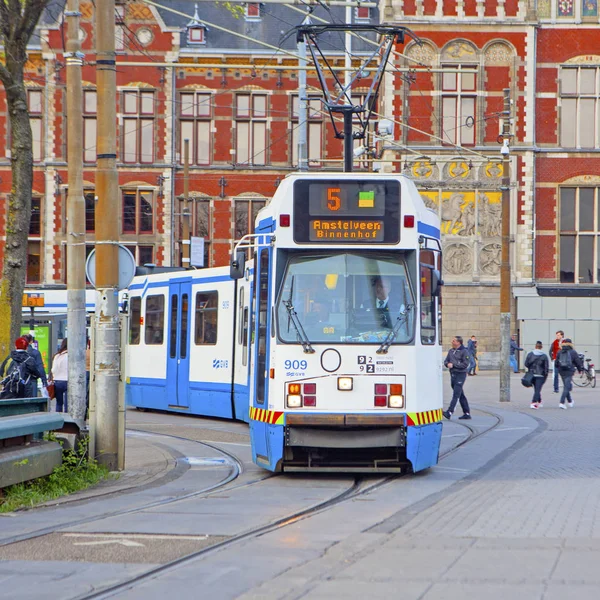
(220,364)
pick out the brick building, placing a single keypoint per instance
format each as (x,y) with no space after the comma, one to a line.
(177,78)
(545,53)
(237,103)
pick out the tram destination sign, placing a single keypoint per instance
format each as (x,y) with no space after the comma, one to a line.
(347,211)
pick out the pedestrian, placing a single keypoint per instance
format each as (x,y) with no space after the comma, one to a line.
(537,362)
(39,361)
(472,348)
(513,353)
(457,361)
(567,360)
(21,373)
(60,374)
(554,349)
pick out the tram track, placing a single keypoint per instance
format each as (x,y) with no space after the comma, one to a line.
(354,491)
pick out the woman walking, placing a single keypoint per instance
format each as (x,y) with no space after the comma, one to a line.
(537,363)
(60,374)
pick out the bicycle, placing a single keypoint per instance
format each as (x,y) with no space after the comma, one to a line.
(587,375)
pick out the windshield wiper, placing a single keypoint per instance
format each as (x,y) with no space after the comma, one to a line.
(391,336)
(293,317)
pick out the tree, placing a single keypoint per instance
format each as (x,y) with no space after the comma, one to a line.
(18,19)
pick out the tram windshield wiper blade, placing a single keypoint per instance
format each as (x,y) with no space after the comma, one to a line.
(306,345)
(391,336)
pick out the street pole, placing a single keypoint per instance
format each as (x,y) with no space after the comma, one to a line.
(185,236)
(348,139)
(302,105)
(106,321)
(348,116)
(76,325)
(505,300)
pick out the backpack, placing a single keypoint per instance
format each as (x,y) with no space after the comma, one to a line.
(564,360)
(14,385)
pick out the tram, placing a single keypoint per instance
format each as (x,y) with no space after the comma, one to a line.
(323,334)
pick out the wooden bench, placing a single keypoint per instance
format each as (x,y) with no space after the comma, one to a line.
(21,456)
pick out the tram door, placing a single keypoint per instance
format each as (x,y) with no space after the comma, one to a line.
(178,346)
(261,348)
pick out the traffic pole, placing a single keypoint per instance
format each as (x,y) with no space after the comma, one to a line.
(106,323)
(185,235)
(505,293)
(76,315)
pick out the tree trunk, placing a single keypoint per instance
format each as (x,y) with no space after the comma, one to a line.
(14,269)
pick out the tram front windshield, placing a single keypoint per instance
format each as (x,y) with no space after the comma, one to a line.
(346,297)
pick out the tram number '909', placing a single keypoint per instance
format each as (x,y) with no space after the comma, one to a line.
(296,365)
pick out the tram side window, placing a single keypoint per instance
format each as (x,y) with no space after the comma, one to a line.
(155,320)
(135,326)
(206,318)
(428,316)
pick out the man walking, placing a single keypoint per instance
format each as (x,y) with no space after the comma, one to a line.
(472,348)
(513,353)
(567,360)
(458,363)
(554,349)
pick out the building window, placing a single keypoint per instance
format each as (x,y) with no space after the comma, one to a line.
(201,225)
(90,211)
(137,211)
(35,104)
(34,264)
(206,318)
(579,90)
(154,320)
(196,35)
(245,216)
(362,13)
(252,11)
(143,255)
(195,125)
(119,29)
(459,93)
(251,129)
(314,131)
(138,126)
(579,247)
(90,107)
(35,224)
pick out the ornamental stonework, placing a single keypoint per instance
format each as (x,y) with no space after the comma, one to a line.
(459,51)
(498,54)
(424,54)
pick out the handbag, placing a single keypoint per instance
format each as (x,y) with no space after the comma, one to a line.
(527,379)
(51,390)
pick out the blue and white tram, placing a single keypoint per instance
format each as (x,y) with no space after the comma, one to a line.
(327,341)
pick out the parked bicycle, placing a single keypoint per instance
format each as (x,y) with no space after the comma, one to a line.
(587,376)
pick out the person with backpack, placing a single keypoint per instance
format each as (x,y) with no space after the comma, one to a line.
(21,373)
(567,360)
(472,349)
(538,364)
(60,375)
(554,349)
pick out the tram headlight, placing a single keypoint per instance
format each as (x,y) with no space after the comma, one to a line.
(396,401)
(345,384)
(294,401)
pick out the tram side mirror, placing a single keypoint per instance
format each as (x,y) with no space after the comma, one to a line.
(237,265)
(436,283)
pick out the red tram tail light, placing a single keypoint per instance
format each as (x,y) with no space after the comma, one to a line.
(381,389)
(310,388)
(380,400)
(284,220)
(389,395)
(301,394)
(409,220)
(310,400)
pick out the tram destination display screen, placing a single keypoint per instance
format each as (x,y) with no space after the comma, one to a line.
(347,212)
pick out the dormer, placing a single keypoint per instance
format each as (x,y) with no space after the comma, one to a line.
(196,31)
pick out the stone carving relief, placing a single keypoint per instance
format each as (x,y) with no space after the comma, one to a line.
(490,216)
(498,54)
(425,53)
(491,170)
(458,170)
(459,51)
(458,259)
(544,9)
(423,170)
(429,202)
(451,212)
(468,220)
(490,259)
